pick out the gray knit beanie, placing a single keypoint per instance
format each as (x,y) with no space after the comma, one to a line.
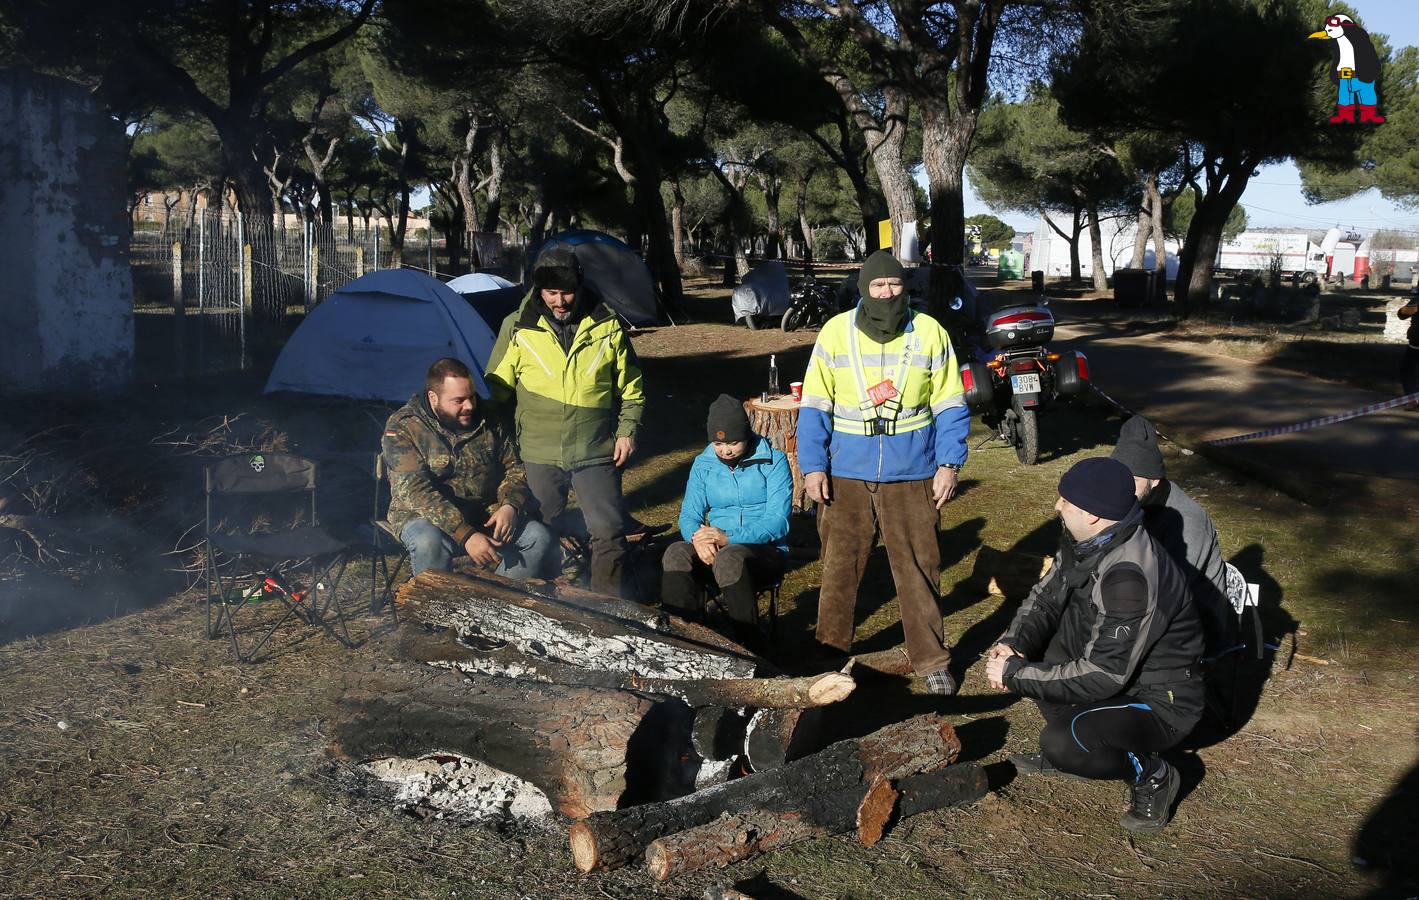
(1137,448)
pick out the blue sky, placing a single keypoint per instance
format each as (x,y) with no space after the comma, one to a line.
(1274,196)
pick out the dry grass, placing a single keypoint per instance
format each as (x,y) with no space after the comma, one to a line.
(181,773)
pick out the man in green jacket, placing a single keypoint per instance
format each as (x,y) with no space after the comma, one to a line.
(456,484)
(571,366)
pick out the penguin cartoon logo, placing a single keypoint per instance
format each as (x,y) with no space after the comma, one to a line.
(1356,70)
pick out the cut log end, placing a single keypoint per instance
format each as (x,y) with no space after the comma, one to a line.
(875,811)
(831,688)
(585,855)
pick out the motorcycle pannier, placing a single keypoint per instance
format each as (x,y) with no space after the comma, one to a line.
(1019,326)
(976,384)
(1071,373)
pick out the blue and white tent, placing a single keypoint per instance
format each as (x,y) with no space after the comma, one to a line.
(374,338)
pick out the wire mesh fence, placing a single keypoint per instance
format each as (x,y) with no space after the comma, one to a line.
(211,287)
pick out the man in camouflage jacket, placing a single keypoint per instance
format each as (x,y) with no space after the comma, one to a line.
(457,485)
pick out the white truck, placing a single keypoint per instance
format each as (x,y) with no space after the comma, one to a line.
(1256,252)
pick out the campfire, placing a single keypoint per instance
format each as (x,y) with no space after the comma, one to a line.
(656,739)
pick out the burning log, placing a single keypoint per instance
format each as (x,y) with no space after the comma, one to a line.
(444,648)
(587,749)
(749,832)
(564,633)
(609,840)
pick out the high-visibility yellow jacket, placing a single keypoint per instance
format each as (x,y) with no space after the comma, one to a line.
(922,428)
(571,405)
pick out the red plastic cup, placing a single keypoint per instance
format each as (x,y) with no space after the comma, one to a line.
(795,390)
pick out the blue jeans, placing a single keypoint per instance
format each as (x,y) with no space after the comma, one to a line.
(1353,90)
(531,552)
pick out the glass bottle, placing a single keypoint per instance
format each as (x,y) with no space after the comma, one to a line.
(773,374)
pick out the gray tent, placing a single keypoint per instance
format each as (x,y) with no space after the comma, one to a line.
(616,271)
(763,293)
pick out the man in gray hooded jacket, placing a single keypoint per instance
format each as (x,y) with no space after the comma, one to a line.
(1175,521)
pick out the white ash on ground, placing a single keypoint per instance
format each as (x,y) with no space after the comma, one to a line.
(462,790)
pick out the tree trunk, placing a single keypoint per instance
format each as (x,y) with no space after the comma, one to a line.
(609,840)
(805,229)
(1096,247)
(747,833)
(1144,223)
(1204,234)
(1160,247)
(562,632)
(1075,269)
(493,190)
(442,647)
(946,139)
(677,221)
(588,750)
(772,188)
(898,188)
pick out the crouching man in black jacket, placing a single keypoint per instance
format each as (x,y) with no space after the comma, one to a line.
(1107,645)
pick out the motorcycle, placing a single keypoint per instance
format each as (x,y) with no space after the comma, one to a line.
(1021,376)
(810,304)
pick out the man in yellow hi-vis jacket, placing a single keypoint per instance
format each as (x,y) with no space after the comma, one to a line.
(579,401)
(881,440)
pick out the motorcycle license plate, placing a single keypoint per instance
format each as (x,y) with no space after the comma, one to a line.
(1025,384)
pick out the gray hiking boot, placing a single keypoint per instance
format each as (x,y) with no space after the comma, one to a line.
(1036,764)
(1150,804)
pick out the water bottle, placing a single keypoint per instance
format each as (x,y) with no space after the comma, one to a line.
(773,374)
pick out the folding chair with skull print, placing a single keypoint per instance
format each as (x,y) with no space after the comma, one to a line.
(243,568)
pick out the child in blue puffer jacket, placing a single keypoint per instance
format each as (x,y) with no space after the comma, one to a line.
(734,521)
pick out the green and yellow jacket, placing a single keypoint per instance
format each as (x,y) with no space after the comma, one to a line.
(571,404)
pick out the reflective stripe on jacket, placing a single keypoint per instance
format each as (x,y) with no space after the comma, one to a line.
(749,502)
(834,422)
(571,405)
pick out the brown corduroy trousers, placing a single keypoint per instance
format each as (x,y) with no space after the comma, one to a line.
(908,520)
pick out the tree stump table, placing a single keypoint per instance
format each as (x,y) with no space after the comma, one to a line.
(777,420)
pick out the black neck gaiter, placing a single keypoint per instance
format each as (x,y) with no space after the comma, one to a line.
(882,320)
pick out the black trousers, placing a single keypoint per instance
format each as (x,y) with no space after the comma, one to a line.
(1110,739)
(1409,370)
(738,571)
(598,495)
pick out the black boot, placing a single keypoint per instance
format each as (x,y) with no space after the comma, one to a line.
(741,602)
(680,595)
(1150,802)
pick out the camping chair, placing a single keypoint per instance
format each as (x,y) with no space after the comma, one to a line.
(382,534)
(241,570)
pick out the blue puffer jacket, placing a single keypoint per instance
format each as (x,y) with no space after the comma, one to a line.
(749,501)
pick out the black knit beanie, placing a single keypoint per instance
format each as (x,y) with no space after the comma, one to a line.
(1137,448)
(727,420)
(881,264)
(557,270)
(1100,486)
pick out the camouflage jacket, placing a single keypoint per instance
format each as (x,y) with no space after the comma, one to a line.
(455,479)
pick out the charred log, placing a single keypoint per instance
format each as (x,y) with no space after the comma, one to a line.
(587,749)
(608,840)
(749,832)
(558,631)
(443,647)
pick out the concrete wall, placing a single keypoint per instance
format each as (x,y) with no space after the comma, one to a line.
(66,296)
